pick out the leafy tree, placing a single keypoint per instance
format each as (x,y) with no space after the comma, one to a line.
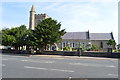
(0,37)
(111,42)
(29,38)
(47,32)
(7,39)
(14,36)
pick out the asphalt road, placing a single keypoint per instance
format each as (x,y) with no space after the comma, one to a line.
(57,67)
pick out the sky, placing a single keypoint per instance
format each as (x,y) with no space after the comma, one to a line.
(97,16)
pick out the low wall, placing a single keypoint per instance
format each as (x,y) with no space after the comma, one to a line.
(75,53)
(7,51)
(95,54)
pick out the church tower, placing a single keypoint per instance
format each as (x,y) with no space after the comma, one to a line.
(32,18)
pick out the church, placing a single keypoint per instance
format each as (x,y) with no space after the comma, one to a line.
(73,39)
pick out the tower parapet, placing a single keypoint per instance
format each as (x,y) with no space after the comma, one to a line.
(36,18)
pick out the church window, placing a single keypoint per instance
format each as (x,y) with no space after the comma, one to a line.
(73,45)
(101,44)
(63,44)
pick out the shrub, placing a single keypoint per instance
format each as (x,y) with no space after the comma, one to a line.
(114,50)
(59,49)
(84,48)
(67,48)
(95,47)
(74,49)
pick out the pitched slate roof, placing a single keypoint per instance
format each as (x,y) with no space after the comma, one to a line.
(101,36)
(75,35)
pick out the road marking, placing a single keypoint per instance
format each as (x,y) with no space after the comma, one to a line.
(48,69)
(3,59)
(113,75)
(35,68)
(12,58)
(2,65)
(112,66)
(94,65)
(39,61)
(62,70)
(17,56)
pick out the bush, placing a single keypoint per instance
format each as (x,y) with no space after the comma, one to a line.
(74,50)
(84,48)
(67,48)
(59,49)
(114,50)
(95,47)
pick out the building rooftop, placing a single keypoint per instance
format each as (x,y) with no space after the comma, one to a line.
(75,35)
(87,35)
(100,36)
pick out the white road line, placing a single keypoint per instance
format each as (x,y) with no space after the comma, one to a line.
(112,66)
(39,61)
(48,69)
(13,58)
(94,65)
(3,59)
(35,68)
(2,64)
(113,75)
(62,70)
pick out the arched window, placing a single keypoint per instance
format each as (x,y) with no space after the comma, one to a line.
(73,45)
(101,44)
(64,44)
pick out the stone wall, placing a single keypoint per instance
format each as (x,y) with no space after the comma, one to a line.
(74,53)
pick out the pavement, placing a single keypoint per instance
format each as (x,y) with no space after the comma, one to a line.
(76,57)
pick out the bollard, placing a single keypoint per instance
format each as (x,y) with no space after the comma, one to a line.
(109,52)
(79,51)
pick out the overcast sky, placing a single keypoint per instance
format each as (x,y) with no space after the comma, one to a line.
(98,16)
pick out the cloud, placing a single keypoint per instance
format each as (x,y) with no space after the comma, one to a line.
(96,17)
(93,15)
(52,5)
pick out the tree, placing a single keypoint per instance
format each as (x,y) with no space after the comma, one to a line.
(14,36)
(111,42)
(7,38)
(29,38)
(47,32)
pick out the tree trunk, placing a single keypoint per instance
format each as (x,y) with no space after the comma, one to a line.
(45,46)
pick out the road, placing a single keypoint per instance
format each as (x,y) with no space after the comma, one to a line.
(57,67)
